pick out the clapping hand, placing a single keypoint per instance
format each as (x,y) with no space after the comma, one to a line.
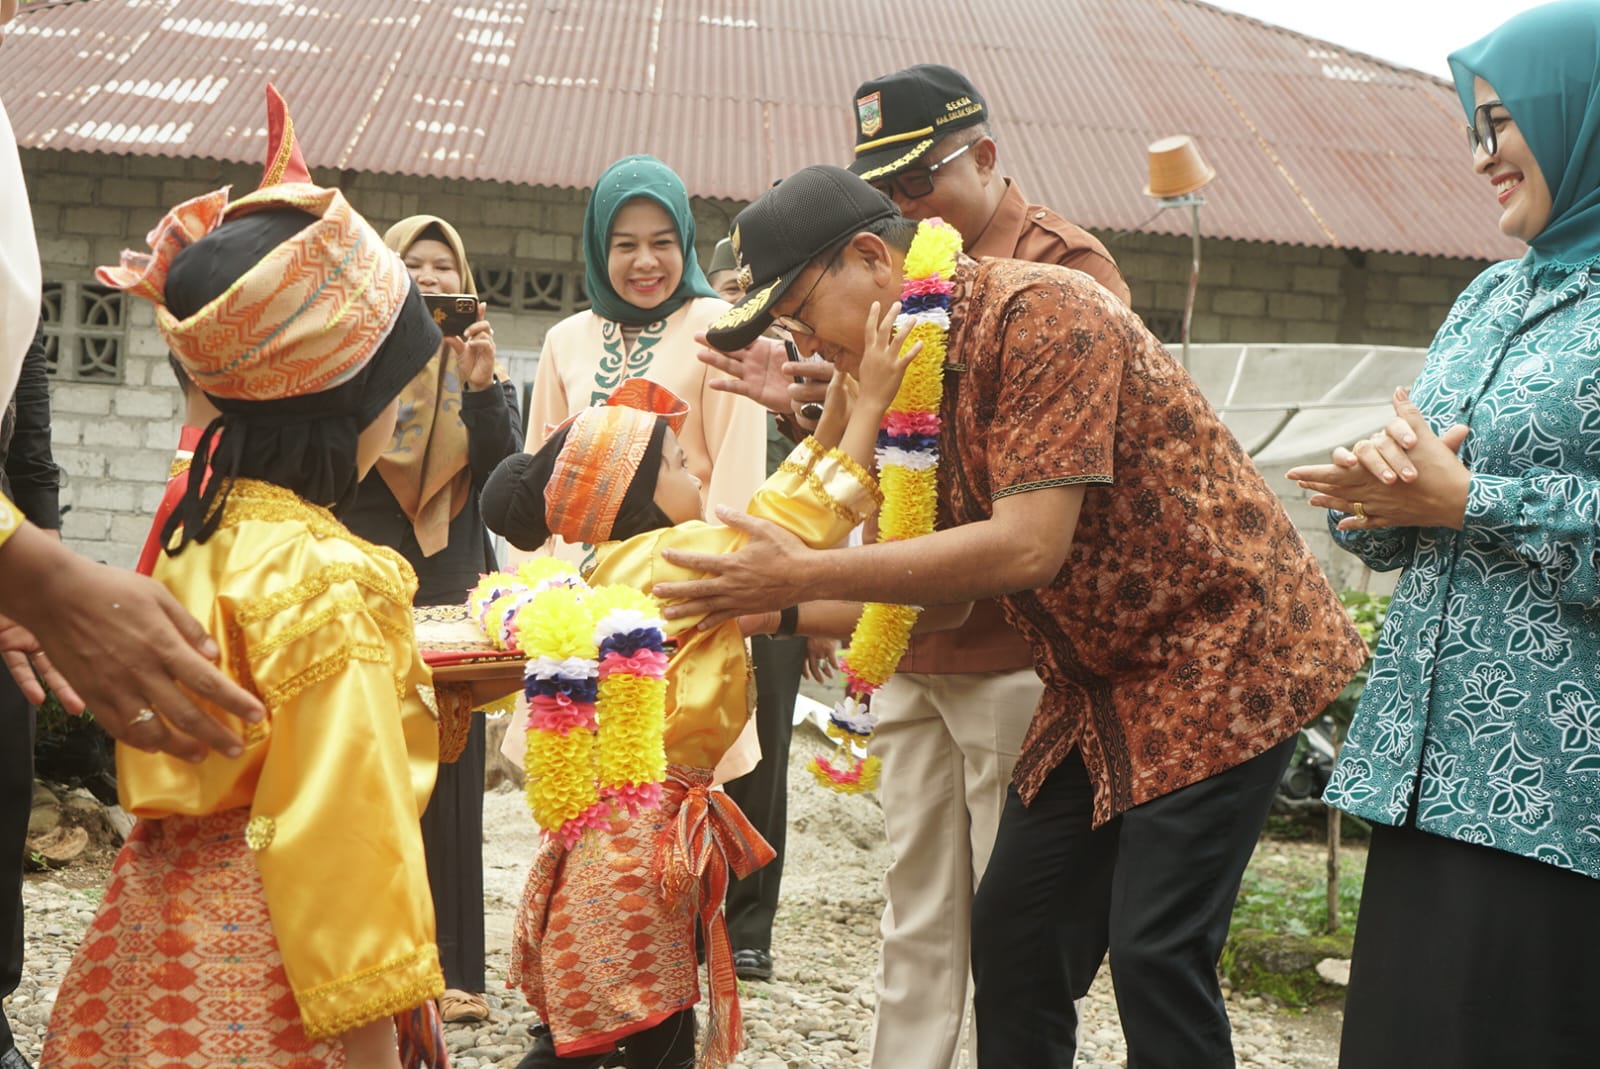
(1402,476)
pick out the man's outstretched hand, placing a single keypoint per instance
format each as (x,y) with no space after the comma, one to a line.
(766,573)
(118,643)
(764,373)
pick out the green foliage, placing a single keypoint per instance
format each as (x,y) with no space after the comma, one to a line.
(1278,934)
(55,720)
(1283,904)
(1367,612)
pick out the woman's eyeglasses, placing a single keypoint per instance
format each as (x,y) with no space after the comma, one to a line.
(916,184)
(1485,129)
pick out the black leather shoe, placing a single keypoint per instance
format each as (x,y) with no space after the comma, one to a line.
(751,964)
(13,1059)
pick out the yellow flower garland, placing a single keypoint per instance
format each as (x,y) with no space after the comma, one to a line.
(908,475)
(596,688)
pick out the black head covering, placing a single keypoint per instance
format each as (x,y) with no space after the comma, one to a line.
(512,501)
(304,444)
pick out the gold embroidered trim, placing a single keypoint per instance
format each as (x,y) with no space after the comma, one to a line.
(318,583)
(892,139)
(820,490)
(258,834)
(813,447)
(279,639)
(178,467)
(840,509)
(429,698)
(747,309)
(862,475)
(799,471)
(889,168)
(253,500)
(1045,484)
(327,668)
(413,993)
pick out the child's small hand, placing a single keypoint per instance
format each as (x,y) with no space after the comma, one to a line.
(836,407)
(883,366)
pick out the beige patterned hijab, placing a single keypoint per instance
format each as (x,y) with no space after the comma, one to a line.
(425,466)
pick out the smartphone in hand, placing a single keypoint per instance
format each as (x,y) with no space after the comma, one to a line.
(453,312)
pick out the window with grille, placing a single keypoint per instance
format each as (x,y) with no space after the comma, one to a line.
(85,331)
(531,289)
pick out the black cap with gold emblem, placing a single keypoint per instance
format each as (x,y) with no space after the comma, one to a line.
(901,115)
(783,230)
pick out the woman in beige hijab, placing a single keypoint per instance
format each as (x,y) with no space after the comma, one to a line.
(457,420)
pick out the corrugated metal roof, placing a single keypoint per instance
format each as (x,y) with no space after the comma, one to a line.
(1313,144)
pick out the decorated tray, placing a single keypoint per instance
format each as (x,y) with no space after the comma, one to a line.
(456,649)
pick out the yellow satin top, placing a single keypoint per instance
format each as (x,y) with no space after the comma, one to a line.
(317,623)
(10,519)
(819,496)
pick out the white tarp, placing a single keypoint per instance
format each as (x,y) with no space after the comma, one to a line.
(1289,404)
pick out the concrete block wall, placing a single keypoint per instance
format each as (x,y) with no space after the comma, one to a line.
(1255,292)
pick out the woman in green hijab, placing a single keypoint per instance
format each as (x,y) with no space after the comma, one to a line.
(648,300)
(1475,753)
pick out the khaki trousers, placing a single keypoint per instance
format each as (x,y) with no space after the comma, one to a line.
(948,744)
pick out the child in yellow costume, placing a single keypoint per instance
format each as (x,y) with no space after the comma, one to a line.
(604,946)
(272,909)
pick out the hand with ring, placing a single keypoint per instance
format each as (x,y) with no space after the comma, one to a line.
(118,644)
(1425,486)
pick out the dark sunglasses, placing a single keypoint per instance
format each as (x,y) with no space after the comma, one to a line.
(1485,129)
(914,185)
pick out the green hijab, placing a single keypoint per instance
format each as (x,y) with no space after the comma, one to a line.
(1545,65)
(630,177)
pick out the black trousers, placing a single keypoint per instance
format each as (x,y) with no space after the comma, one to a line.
(452,842)
(1155,886)
(764,793)
(16,800)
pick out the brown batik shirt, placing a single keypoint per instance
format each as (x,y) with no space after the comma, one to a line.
(1190,628)
(1021,231)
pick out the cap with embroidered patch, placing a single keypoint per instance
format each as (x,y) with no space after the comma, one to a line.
(782,231)
(901,115)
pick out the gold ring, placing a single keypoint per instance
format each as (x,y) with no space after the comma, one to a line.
(1361,513)
(144,715)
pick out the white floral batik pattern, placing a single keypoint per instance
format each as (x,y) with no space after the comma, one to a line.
(1481,717)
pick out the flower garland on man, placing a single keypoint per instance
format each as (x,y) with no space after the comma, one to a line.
(908,474)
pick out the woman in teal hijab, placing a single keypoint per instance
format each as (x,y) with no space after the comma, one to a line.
(638,178)
(649,300)
(1475,752)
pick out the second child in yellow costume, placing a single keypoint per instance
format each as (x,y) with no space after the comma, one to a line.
(272,909)
(605,941)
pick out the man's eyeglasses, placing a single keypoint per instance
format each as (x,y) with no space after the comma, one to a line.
(915,184)
(793,323)
(1485,128)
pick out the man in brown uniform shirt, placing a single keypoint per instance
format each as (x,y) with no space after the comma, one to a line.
(1183,629)
(951,722)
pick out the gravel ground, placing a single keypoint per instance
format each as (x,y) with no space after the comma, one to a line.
(815,1013)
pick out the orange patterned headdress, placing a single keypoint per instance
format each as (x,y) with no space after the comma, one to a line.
(605,446)
(284,162)
(304,319)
